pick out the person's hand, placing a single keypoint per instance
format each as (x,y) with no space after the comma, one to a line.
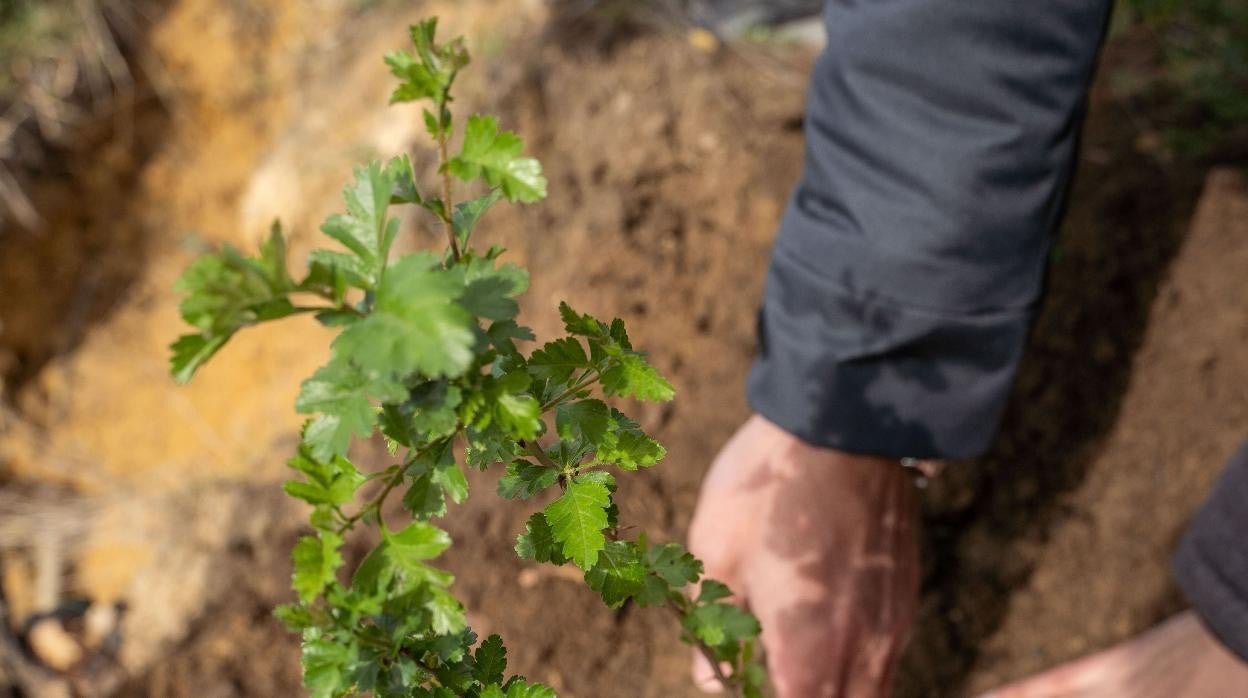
(1177,658)
(821,545)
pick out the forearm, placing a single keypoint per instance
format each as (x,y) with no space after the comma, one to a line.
(940,141)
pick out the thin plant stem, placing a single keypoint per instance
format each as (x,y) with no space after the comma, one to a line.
(729,685)
(447,207)
(579,385)
(536,451)
(393,481)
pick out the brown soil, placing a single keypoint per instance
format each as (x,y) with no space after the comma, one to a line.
(990,524)
(669,167)
(1101,572)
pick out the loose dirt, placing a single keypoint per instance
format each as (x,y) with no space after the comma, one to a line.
(1101,572)
(669,166)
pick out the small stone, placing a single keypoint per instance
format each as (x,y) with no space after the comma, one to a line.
(52,645)
(99,623)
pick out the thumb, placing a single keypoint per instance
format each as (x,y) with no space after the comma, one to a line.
(705,676)
(720,558)
(721,535)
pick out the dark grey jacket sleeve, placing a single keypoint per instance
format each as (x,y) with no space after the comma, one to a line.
(1211,564)
(940,137)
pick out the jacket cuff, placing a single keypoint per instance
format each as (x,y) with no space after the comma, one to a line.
(854,371)
(1211,564)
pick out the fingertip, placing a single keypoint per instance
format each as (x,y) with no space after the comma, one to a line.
(703,675)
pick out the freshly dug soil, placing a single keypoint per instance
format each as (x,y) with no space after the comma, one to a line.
(1057,542)
(1101,572)
(669,167)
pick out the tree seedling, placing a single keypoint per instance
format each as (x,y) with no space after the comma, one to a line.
(427,353)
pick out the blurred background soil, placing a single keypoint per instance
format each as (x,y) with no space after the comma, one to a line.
(669,161)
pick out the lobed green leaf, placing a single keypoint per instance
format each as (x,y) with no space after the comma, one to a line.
(331,482)
(445,611)
(417,82)
(191,351)
(721,626)
(325,662)
(501,409)
(469,213)
(538,542)
(331,272)
(490,292)
(425,498)
(418,542)
(673,564)
(342,394)
(619,573)
(556,361)
(517,687)
(496,157)
(491,661)
(316,560)
(364,229)
(225,292)
(488,445)
(585,420)
(294,616)
(632,377)
(525,479)
(415,326)
(577,520)
(436,470)
(502,336)
(712,591)
(628,446)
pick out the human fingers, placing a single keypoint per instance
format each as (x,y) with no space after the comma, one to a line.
(834,583)
(723,532)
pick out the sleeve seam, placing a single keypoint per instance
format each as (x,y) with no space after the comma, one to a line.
(790,256)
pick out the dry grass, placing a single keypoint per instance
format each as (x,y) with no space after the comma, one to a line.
(64,62)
